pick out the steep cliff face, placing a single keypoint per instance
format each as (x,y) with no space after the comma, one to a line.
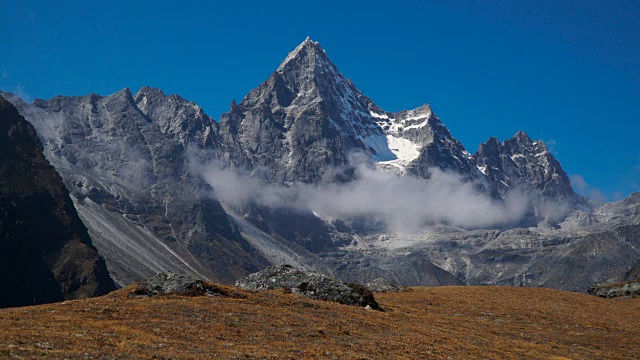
(46,254)
(127,162)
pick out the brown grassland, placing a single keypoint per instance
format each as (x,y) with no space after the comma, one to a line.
(438,323)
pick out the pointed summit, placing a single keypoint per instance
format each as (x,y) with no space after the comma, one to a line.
(522,137)
(304,54)
(301,121)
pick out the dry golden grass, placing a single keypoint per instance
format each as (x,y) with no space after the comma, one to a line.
(438,323)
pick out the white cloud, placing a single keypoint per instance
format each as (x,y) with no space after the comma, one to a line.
(582,187)
(20,92)
(405,204)
(552,146)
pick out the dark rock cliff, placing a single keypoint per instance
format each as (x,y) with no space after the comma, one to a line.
(46,254)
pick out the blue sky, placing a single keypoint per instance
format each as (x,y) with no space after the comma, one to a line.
(566,72)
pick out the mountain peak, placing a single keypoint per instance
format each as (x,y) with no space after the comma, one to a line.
(145,90)
(522,136)
(306,48)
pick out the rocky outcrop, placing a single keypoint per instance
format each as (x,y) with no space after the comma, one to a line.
(169,283)
(383,285)
(311,285)
(46,254)
(627,289)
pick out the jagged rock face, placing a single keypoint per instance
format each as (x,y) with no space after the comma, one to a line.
(520,163)
(418,141)
(127,163)
(443,152)
(311,285)
(178,118)
(46,254)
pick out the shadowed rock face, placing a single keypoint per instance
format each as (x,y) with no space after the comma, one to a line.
(46,254)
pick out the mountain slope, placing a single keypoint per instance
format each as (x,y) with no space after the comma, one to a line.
(46,254)
(127,161)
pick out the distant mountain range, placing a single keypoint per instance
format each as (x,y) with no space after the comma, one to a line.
(306,170)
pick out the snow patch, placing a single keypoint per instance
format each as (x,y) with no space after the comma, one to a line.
(379,116)
(417,126)
(392,150)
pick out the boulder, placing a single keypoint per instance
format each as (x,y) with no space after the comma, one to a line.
(311,285)
(168,283)
(383,285)
(627,289)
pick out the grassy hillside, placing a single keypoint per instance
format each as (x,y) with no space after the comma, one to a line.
(441,323)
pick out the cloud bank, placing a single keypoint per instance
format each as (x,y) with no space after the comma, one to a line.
(404,204)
